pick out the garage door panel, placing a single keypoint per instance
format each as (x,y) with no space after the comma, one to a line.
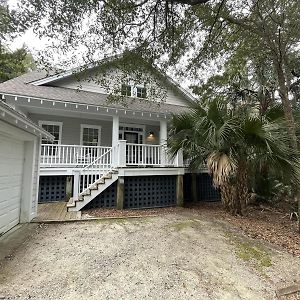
(11,170)
(13,194)
(9,203)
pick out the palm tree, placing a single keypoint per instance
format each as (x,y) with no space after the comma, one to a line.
(234,143)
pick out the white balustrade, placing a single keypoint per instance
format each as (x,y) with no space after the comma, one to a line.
(121,155)
(69,155)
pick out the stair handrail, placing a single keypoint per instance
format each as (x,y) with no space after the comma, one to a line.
(97,159)
(86,178)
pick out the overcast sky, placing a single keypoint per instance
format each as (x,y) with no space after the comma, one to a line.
(29,38)
(35,44)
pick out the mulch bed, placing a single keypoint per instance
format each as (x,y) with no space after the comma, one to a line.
(260,222)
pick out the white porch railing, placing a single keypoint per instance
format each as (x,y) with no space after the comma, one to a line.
(149,155)
(122,155)
(143,155)
(70,155)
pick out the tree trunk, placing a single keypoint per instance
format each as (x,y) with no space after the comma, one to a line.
(235,195)
(242,186)
(226,194)
(287,107)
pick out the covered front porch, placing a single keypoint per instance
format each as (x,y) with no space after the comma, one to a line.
(129,145)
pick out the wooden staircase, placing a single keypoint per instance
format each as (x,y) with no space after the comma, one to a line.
(93,191)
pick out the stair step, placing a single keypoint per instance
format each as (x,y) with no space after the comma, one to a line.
(98,186)
(107,176)
(86,192)
(100,181)
(71,203)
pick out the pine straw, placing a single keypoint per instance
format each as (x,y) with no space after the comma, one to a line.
(260,222)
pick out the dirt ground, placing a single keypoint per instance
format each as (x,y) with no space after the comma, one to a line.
(182,255)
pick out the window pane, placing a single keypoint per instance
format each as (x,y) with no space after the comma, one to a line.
(90,136)
(54,130)
(126,90)
(141,92)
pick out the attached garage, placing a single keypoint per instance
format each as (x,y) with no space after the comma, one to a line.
(19,167)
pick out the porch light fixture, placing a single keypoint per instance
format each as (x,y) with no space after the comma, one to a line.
(150,137)
(16,98)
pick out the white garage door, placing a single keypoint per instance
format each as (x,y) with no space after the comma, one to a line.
(11,171)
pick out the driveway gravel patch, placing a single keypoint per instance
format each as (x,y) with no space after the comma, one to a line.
(175,256)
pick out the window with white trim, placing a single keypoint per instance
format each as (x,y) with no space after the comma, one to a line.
(90,135)
(126,90)
(141,92)
(133,91)
(55,128)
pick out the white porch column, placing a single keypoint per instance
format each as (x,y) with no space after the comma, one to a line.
(115,140)
(163,135)
(115,130)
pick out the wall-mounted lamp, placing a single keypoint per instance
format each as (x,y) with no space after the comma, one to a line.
(151,137)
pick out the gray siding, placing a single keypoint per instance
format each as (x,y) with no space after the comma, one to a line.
(93,84)
(71,128)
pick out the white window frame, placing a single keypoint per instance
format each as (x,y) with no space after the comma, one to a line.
(60,124)
(134,89)
(90,126)
(141,87)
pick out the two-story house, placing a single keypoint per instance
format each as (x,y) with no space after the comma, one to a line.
(106,153)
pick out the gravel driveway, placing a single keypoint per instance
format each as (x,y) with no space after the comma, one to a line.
(176,256)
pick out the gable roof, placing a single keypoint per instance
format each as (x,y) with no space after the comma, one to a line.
(16,118)
(33,85)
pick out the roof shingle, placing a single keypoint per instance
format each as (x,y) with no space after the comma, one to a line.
(21,86)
